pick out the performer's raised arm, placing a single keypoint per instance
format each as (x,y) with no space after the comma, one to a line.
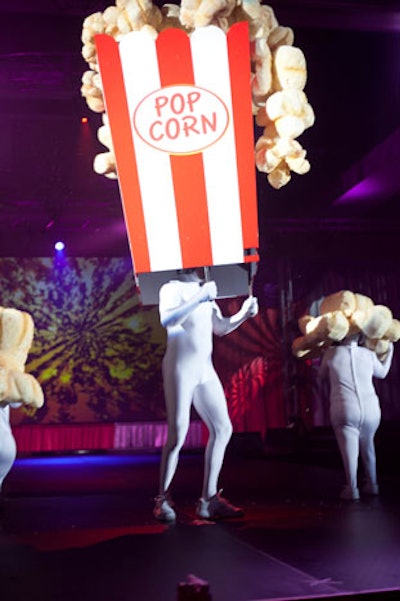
(224,325)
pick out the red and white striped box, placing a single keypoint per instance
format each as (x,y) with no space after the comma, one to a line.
(180,114)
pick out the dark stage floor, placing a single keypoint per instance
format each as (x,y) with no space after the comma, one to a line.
(80,528)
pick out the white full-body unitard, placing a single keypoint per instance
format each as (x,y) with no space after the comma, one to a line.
(191,316)
(355,411)
(8,448)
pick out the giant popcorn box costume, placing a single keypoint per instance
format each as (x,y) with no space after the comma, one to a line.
(183,141)
(178,93)
(178,86)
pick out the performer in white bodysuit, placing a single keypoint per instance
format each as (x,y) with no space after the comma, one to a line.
(355,412)
(8,448)
(191,316)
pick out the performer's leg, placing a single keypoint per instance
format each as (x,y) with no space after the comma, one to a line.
(210,403)
(178,399)
(368,455)
(348,441)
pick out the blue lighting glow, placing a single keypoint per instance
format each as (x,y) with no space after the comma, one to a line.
(87,460)
(59,246)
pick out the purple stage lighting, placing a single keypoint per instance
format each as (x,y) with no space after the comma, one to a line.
(59,246)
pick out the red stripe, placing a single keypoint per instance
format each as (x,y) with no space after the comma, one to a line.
(239,61)
(118,115)
(175,67)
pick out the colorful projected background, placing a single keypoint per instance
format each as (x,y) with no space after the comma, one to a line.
(96,350)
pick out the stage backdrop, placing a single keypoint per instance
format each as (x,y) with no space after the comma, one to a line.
(97,351)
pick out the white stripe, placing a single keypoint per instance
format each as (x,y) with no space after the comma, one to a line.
(211,71)
(141,76)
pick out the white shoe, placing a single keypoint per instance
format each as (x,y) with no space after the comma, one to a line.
(217,508)
(350,493)
(370,489)
(163,510)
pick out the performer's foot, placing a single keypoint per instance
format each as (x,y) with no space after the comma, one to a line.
(370,489)
(217,508)
(350,493)
(163,510)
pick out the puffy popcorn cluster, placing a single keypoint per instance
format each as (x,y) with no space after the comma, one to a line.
(278,73)
(16,336)
(342,314)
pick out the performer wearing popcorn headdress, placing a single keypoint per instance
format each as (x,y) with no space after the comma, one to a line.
(354,408)
(355,338)
(17,388)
